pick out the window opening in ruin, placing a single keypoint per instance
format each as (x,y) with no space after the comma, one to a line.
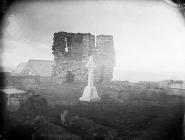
(66,47)
(95,41)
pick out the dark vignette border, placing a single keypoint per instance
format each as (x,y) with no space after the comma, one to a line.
(4,6)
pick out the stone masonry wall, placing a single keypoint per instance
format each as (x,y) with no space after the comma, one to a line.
(105,57)
(71,52)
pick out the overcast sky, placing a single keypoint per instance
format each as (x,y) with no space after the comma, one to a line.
(149,36)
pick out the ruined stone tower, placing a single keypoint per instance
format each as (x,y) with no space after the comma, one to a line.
(71,52)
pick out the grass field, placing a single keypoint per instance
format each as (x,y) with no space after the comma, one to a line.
(134,114)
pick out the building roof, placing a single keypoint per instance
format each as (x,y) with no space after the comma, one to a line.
(19,68)
(40,67)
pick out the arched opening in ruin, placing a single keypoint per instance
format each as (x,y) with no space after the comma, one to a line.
(66,46)
(69,77)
